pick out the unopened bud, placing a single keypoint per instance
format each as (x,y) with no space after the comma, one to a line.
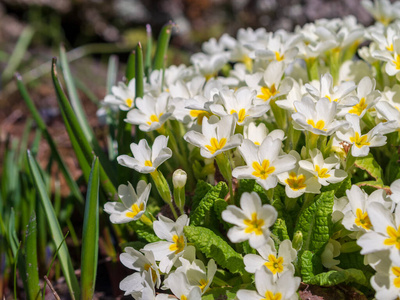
(297,240)
(179,178)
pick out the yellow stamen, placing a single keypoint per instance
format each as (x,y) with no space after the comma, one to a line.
(320,124)
(269,295)
(278,56)
(148,163)
(262,171)
(179,244)
(200,114)
(396,272)
(129,102)
(254,225)
(248,62)
(215,145)
(394,237)
(242,114)
(183,297)
(397,61)
(203,284)
(296,182)
(275,265)
(390,48)
(359,107)
(147,267)
(359,141)
(362,219)
(330,100)
(154,118)
(267,92)
(135,210)
(322,173)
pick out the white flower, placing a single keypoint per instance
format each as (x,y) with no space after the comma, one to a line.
(217,136)
(298,181)
(146,160)
(395,189)
(390,113)
(122,95)
(209,65)
(325,170)
(276,263)
(151,112)
(263,163)
(382,10)
(386,281)
(133,205)
(240,102)
(252,221)
(385,234)
(331,250)
(258,133)
(361,143)
(267,288)
(167,252)
(356,218)
(392,58)
(182,289)
(319,117)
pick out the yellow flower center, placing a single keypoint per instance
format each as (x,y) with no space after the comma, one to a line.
(129,102)
(320,124)
(394,237)
(216,145)
(209,76)
(254,225)
(200,114)
(390,48)
(275,265)
(359,107)
(178,245)
(296,182)
(322,173)
(359,141)
(135,210)
(242,114)
(203,284)
(362,219)
(248,62)
(397,61)
(278,56)
(154,118)
(330,100)
(147,267)
(396,272)
(269,295)
(148,163)
(267,93)
(257,143)
(183,297)
(264,170)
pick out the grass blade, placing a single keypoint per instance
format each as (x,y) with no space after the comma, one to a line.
(90,235)
(73,96)
(54,226)
(31,283)
(42,126)
(162,46)
(139,71)
(70,118)
(18,53)
(130,67)
(112,72)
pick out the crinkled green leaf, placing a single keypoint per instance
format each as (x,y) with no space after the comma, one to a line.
(285,216)
(334,277)
(375,184)
(339,188)
(355,260)
(393,169)
(250,185)
(213,246)
(280,230)
(144,232)
(202,189)
(315,222)
(369,164)
(203,213)
(310,265)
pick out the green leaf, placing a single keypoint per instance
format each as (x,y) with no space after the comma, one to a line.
(162,47)
(310,265)
(280,230)
(339,188)
(227,293)
(369,165)
(149,46)
(203,213)
(202,189)
(31,282)
(212,246)
(145,232)
(315,222)
(334,277)
(55,229)
(248,186)
(90,234)
(130,67)
(139,69)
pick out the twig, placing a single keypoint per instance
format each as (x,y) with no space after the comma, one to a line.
(52,288)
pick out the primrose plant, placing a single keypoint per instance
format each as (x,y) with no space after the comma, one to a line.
(282,149)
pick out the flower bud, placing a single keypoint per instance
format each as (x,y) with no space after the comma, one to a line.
(297,240)
(179,178)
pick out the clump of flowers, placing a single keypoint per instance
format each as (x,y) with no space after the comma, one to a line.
(283,154)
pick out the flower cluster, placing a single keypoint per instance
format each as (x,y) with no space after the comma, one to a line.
(295,128)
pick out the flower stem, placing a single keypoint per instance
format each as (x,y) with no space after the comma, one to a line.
(224,164)
(163,189)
